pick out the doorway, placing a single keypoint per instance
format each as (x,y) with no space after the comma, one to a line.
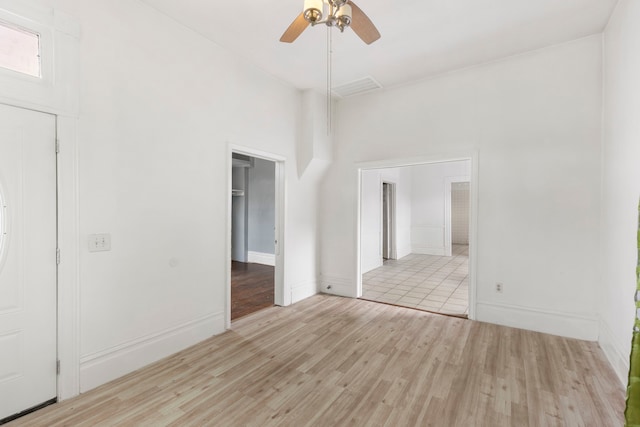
(28,262)
(253,234)
(433,267)
(388,221)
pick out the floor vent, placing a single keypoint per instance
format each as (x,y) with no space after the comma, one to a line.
(366,84)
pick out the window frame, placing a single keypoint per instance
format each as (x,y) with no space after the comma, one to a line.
(11,27)
(46,47)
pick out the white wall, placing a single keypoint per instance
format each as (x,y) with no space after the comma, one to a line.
(429,192)
(620,183)
(239,215)
(370,208)
(158,106)
(460,211)
(371,214)
(261,207)
(535,122)
(403,211)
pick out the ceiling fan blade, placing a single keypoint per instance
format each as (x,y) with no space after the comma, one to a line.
(295,29)
(362,25)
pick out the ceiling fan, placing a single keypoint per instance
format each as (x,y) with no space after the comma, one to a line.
(333,13)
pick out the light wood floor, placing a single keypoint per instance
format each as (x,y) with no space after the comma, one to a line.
(331,361)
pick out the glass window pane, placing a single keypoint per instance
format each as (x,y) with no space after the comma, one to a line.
(19,50)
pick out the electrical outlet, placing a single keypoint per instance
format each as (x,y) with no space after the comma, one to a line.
(499,287)
(99,242)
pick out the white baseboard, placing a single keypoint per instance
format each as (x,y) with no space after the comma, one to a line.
(338,286)
(368,268)
(107,365)
(427,251)
(303,291)
(261,258)
(616,353)
(550,322)
(403,252)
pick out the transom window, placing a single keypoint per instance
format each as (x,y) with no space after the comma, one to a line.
(20,50)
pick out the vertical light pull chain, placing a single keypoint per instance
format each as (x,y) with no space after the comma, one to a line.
(329,79)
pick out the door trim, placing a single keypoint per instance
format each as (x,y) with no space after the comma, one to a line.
(473,223)
(69,267)
(67,280)
(16,242)
(282,292)
(60,98)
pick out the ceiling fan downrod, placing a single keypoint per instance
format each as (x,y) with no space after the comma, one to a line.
(339,13)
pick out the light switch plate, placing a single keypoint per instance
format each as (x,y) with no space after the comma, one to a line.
(99,242)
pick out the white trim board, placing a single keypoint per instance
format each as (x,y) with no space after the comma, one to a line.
(428,239)
(428,251)
(569,325)
(103,366)
(261,258)
(618,358)
(68,269)
(337,286)
(378,265)
(303,291)
(418,160)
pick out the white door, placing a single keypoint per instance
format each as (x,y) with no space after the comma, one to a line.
(27,259)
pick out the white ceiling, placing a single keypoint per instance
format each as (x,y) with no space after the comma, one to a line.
(420,38)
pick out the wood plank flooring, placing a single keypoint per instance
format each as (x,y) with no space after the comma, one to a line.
(331,361)
(252,288)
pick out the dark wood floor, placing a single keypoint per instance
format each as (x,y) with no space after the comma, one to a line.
(251,288)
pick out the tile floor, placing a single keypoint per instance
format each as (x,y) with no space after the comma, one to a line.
(427,282)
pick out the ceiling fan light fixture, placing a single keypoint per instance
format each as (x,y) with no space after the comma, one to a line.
(333,13)
(313,10)
(343,16)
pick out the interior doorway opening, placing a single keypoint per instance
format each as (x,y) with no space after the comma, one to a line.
(388,221)
(253,225)
(428,208)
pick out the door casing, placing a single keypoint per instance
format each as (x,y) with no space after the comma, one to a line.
(473,222)
(32,184)
(282,295)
